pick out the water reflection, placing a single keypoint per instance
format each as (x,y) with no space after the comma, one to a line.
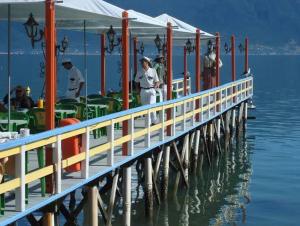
(217,195)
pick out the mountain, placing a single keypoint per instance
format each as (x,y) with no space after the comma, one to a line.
(267,22)
(273,26)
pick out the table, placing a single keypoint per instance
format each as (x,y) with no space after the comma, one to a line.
(15,124)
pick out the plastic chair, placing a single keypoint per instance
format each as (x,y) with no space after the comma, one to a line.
(67,101)
(94,96)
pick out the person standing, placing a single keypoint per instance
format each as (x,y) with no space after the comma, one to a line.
(160,68)
(75,80)
(209,71)
(148,81)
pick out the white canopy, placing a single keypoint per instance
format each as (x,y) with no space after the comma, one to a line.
(69,13)
(182,27)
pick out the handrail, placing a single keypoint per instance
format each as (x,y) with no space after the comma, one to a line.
(58,131)
(213,102)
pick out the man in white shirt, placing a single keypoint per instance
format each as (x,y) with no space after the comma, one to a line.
(148,81)
(75,80)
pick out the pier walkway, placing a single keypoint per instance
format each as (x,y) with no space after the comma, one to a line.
(101,156)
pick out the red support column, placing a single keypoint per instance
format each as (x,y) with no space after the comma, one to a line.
(135,60)
(184,71)
(198,69)
(50,39)
(233,70)
(125,75)
(169,71)
(233,67)
(198,66)
(217,59)
(246,55)
(103,66)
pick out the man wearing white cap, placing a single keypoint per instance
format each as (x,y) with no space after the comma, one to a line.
(75,80)
(148,81)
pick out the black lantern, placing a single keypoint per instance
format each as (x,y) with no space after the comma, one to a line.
(31,28)
(64,45)
(111,39)
(189,47)
(158,43)
(241,47)
(227,48)
(141,49)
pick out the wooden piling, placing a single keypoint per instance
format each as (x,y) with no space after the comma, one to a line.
(127,195)
(148,188)
(196,150)
(91,210)
(186,156)
(165,179)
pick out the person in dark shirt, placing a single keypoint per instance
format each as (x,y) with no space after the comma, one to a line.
(20,100)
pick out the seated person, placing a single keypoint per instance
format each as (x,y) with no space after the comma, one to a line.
(2,107)
(20,100)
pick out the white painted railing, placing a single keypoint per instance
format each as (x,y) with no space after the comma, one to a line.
(197,109)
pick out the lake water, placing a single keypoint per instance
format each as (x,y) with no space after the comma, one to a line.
(257,183)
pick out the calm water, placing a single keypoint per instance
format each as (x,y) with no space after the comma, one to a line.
(258,182)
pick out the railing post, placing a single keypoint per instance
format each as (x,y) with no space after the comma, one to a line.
(208,105)
(20,173)
(131,131)
(162,119)
(58,170)
(86,150)
(201,106)
(111,138)
(174,120)
(183,126)
(148,125)
(193,109)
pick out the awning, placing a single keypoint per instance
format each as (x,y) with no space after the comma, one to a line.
(69,13)
(186,30)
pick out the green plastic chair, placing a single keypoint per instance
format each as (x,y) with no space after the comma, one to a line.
(67,101)
(94,96)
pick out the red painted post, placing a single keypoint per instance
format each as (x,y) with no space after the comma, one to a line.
(125,75)
(246,55)
(184,71)
(198,66)
(50,39)
(135,60)
(198,69)
(103,66)
(217,59)
(233,70)
(169,71)
(233,67)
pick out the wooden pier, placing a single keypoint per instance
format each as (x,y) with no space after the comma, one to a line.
(208,119)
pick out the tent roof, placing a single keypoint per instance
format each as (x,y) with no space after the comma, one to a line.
(69,13)
(183,27)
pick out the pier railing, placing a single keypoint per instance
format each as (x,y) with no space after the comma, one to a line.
(178,86)
(187,113)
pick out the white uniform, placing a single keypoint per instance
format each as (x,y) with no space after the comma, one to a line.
(74,80)
(210,60)
(147,80)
